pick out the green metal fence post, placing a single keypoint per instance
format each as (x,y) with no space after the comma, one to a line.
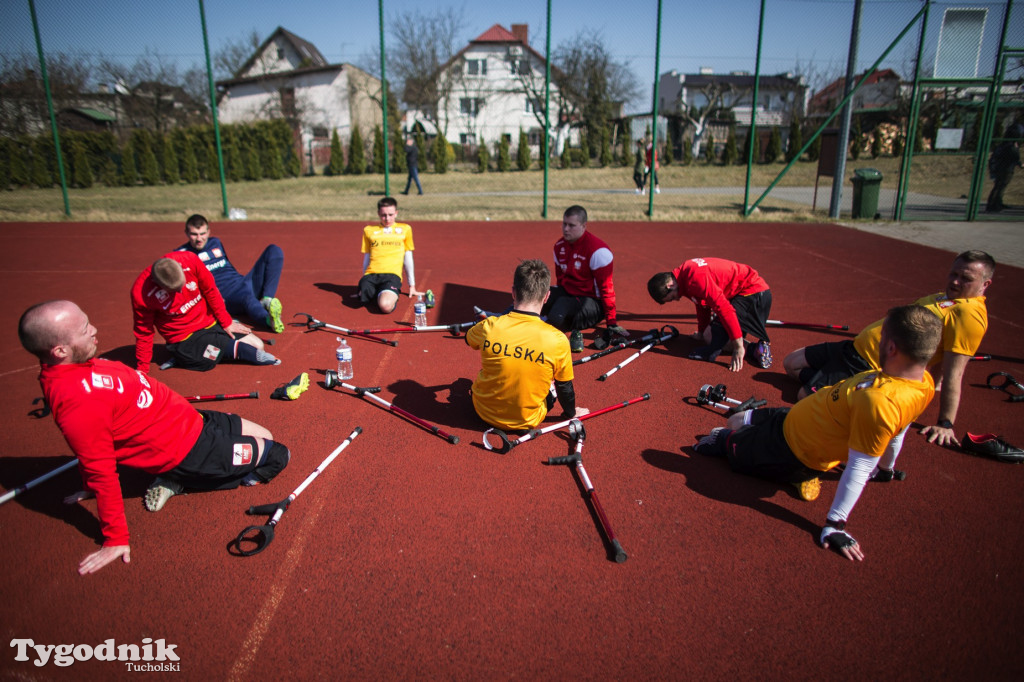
(546,148)
(753,113)
(213,111)
(49,108)
(654,114)
(384,101)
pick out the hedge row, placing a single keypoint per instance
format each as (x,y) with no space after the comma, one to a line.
(259,151)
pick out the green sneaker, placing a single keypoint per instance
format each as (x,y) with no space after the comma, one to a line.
(274,320)
(293,389)
(576,341)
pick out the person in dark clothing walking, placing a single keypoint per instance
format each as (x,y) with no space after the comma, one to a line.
(412,160)
(1004,160)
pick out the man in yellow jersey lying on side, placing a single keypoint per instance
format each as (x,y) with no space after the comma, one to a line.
(961,307)
(521,356)
(859,422)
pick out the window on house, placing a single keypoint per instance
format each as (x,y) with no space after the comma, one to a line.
(320,132)
(288,102)
(466,138)
(520,67)
(476,67)
(280,54)
(533,106)
(471,105)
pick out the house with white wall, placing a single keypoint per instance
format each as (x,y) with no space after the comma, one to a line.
(287,77)
(494,87)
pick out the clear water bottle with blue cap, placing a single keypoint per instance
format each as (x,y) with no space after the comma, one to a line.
(420,308)
(344,356)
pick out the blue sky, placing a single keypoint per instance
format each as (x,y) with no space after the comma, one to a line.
(809,36)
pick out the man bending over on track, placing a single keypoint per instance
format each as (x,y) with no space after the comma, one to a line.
(860,422)
(386,248)
(521,355)
(178,297)
(111,414)
(732,301)
(254,294)
(585,292)
(961,308)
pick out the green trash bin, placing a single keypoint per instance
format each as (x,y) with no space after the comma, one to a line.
(866,183)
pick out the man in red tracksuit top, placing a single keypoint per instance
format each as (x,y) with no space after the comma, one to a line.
(732,301)
(584,291)
(111,414)
(178,297)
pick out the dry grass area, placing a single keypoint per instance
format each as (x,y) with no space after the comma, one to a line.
(464,194)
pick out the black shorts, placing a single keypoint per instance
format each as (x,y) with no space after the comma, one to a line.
(829,363)
(752,312)
(572,313)
(761,450)
(203,349)
(371,286)
(220,458)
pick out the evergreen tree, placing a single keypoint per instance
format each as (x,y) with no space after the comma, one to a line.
(356,153)
(919,139)
(584,151)
(378,150)
(80,163)
(171,174)
(709,145)
(42,153)
(483,157)
(182,141)
(250,155)
(441,149)
(796,140)
(523,159)
(566,155)
(627,148)
(337,163)
(752,139)
(20,161)
(504,155)
(666,158)
(234,164)
(731,155)
(149,169)
(814,151)
(774,150)
(271,154)
(6,153)
(421,146)
(687,151)
(129,169)
(607,159)
(108,172)
(876,144)
(897,145)
(398,162)
(212,160)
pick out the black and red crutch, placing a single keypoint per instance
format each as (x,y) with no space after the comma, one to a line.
(807,325)
(577,432)
(331,380)
(506,445)
(222,396)
(255,539)
(312,324)
(618,345)
(662,337)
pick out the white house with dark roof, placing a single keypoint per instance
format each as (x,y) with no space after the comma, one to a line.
(494,87)
(287,77)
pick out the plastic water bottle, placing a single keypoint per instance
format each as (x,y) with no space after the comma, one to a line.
(344,355)
(420,308)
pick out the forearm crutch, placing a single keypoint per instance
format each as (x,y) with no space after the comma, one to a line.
(577,431)
(312,324)
(662,338)
(617,346)
(332,380)
(453,328)
(505,445)
(221,396)
(261,536)
(715,396)
(11,494)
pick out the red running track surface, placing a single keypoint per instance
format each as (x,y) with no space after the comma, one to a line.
(413,558)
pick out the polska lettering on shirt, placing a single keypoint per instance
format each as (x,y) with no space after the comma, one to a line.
(502,349)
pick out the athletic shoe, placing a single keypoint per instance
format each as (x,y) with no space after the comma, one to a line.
(657,190)
(274,320)
(760,354)
(808,490)
(638,190)
(293,389)
(429,299)
(990,445)
(576,341)
(713,444)
(159,492)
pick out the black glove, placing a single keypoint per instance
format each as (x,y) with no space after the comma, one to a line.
(835,535)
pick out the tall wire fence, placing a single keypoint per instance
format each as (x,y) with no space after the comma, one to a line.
(936,86)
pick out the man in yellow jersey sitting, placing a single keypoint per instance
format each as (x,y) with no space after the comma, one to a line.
(387,247)
(860,421)
(961,307)
(521,355)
